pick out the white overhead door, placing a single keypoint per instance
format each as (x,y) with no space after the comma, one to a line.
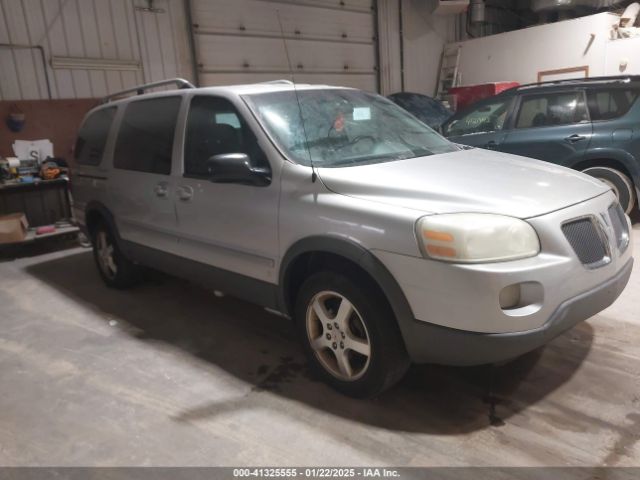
(313,41)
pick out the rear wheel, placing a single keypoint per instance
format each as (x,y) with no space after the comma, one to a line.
(350,335)
(116,270)
(620,183)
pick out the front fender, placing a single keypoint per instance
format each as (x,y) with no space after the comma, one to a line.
(357,254)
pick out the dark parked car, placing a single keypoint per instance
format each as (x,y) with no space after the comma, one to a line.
(592,125)
(428,110)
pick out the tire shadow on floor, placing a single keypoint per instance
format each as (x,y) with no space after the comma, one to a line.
(260,348)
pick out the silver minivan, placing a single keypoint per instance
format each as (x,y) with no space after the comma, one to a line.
(384,242)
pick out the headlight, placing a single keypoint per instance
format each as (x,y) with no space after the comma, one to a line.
(476,238)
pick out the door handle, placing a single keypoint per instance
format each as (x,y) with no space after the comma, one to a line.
(161,189)
(185,193)
(491,144)
(574,138)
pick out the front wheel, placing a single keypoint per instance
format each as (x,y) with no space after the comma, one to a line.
(350,335)
(620,183)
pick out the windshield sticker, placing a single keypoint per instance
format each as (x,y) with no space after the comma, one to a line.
(361,113)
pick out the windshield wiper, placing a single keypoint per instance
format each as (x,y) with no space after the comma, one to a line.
(362,160)
(464,147)
(422,152)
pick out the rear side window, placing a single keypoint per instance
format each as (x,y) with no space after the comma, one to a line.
(552,109)
(92,137)
(608,103)
(145,139)
(489,117)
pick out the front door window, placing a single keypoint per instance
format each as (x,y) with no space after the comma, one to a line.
(215,127)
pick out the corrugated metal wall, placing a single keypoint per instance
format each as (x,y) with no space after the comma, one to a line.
(95,47)
(390,46)
(91,47)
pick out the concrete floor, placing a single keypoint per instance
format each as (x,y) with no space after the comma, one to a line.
(168,374)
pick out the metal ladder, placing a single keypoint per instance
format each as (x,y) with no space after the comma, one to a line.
(448,76)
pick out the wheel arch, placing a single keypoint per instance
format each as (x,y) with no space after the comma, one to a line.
(313,253)
(622,161)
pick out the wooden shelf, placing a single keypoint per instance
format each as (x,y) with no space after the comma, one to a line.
(32,237)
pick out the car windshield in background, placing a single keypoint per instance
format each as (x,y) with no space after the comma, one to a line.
(426,109)
(343,127)
(484,118)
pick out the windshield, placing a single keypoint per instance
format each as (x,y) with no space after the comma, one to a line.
(343,127)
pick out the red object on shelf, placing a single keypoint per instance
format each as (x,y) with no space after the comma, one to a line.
(45,229)
(469,94)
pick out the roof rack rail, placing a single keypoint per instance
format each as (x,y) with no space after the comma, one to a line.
(140,89)
(612,78)
(282,81)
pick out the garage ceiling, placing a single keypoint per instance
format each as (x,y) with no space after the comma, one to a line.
(328,41)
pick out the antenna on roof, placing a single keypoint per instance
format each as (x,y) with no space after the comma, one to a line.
(295,91)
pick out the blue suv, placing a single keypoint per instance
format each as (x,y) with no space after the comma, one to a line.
(591,125)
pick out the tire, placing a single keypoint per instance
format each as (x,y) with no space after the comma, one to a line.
(337,336)
(620,183)
(116,270)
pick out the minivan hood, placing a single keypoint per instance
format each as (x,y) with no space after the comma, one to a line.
(473,180)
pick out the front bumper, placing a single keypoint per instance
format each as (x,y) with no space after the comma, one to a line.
(429,343)
(457,310)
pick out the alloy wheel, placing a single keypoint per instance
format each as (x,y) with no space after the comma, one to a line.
(338,335)
(105,253)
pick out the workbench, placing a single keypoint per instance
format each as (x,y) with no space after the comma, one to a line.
(45,202)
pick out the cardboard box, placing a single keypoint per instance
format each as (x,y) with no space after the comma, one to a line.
(13,228)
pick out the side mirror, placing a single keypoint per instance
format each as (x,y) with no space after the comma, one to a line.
(237,168)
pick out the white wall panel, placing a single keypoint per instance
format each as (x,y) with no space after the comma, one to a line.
(416,41)
(622,57)
(107,47)
(56,32)
(34,27)
(321,41)
(23,78)
(26,60)
(342,5)
(91,45)
(389,45)
(222,53)
(424,38)
(237,41)
(364,82)
(89,29)
(261,17)
(520,55)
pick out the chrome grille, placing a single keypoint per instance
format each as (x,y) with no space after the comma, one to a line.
(586,241)
(619,225)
